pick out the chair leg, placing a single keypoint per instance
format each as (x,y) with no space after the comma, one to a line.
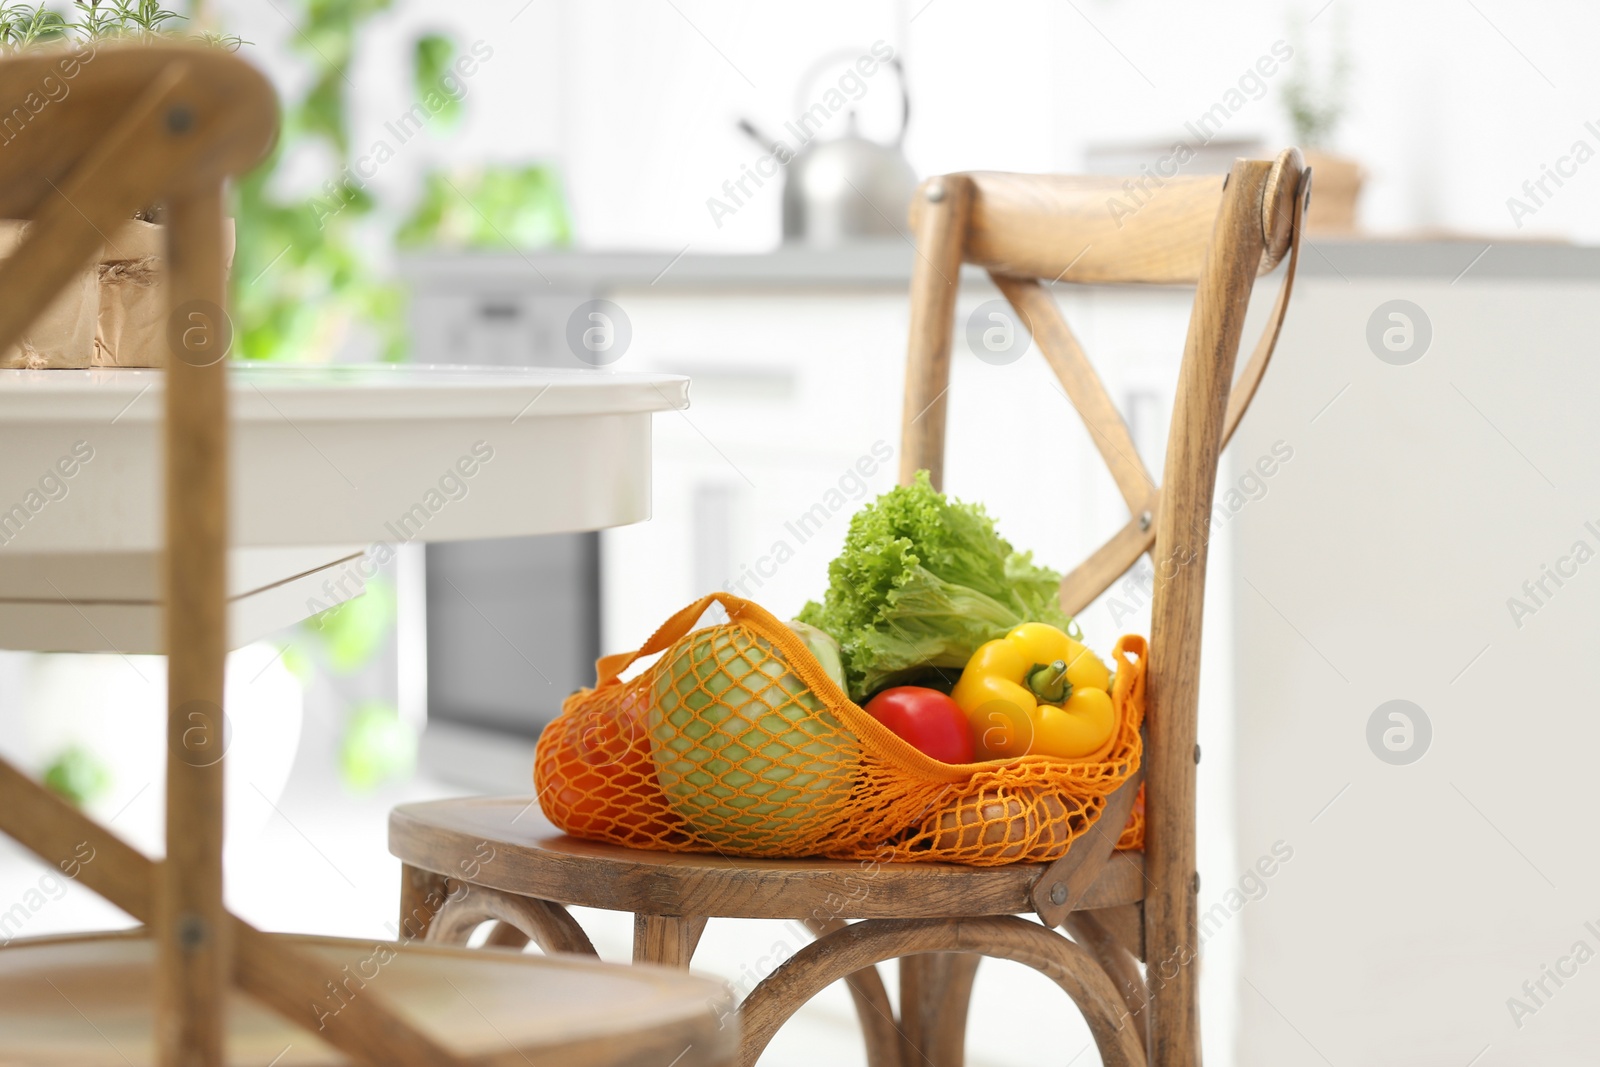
(422,894)
(1094,933)
(668,940)
(880,1030)
(935,993)
(872,941)
(548,925)
(504,935)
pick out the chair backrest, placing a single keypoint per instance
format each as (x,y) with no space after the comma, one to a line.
(91,138)
(1215,233)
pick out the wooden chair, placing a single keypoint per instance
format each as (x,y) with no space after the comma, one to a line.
(143,125)
(1214,233)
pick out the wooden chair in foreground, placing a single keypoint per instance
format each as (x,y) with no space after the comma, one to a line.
(167,125)
(1121,909)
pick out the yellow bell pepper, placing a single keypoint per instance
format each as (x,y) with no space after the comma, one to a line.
(1037,691)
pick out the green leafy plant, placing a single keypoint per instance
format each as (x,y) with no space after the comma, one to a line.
(492,206)
(143,20)
(1316,106)
(350,633)
(77,775)
(305,275)
(430,62)
(489,207)
(27,25)
(377,747)
(23,26)
(303,278)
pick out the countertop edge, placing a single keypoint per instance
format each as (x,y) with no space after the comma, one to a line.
(887,265)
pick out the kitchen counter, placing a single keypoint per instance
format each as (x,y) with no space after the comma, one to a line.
(887,265)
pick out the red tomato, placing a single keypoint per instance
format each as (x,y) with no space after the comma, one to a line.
(927,719)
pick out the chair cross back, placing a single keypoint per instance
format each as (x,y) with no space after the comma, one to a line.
(1084,230)
(1218,234)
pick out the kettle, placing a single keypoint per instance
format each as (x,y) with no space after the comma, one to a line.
(847,188)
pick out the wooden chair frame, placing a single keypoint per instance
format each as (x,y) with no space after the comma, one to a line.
(167,131)
(168,124)
(1023,229)
(1121,909)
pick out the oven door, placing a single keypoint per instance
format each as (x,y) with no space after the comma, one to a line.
(513,628)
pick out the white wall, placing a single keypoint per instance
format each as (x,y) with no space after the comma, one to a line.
(1380,565)
(1453,105)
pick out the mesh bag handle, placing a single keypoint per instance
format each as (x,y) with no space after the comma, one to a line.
(608,668)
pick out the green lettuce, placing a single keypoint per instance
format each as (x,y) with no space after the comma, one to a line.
(921,583)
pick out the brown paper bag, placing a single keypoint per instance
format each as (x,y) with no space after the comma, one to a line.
(64,335)
(132,330)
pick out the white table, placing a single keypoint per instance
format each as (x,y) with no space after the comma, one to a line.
(333,467)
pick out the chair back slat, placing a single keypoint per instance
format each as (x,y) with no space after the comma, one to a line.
(1083,388)
(55,105)
(112,177)
(1144,229)
(1110,561)
(1183,534)
(1093,229)
(939,219)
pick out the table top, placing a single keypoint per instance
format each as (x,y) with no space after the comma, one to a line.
(335,454)
(274,392)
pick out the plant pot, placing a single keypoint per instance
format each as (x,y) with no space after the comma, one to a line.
(64,335)
(132,329)
(1335,189)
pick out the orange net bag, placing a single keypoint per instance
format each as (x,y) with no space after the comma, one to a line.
(736,741)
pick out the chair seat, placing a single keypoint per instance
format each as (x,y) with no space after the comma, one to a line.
(89,1002)
(534,859)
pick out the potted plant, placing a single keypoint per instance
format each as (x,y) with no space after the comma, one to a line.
(1315,107)
(117,315)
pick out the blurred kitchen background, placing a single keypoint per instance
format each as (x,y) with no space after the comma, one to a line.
(464,182)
